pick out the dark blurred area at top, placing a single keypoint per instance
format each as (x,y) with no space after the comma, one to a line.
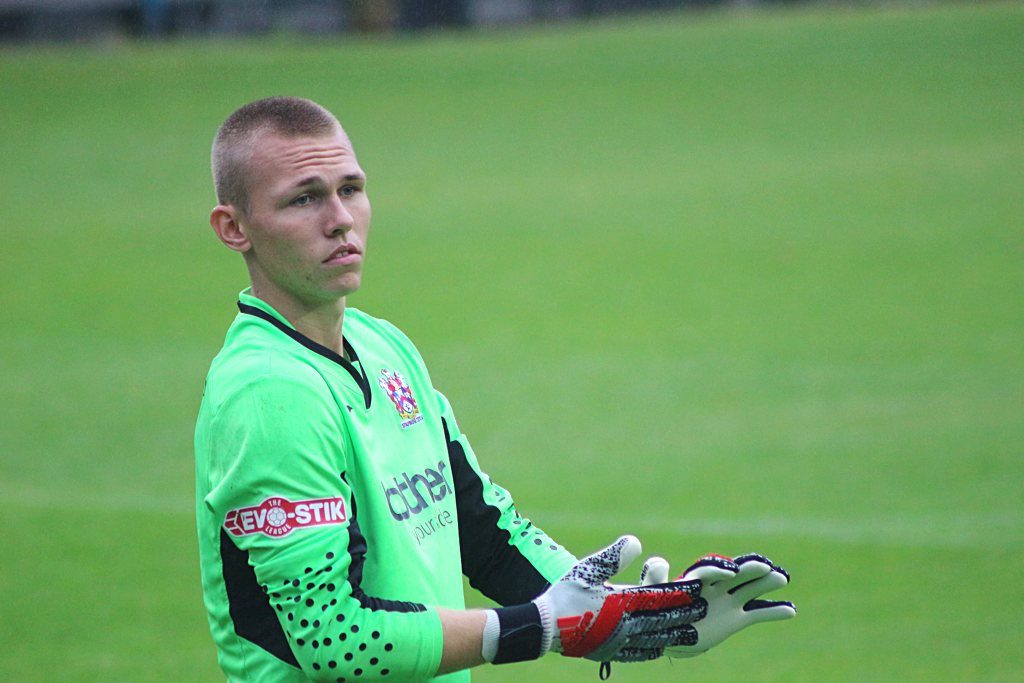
(99,20)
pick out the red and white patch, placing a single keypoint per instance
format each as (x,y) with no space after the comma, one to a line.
(278,516)
(397,389)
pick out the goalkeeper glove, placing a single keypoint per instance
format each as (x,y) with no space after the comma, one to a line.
(732,589)
(582,615)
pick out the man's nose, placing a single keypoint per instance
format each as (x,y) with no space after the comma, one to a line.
(341,220)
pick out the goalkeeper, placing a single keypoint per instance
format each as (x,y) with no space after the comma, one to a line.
(338,502)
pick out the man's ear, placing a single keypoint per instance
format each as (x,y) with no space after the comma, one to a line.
(224,219)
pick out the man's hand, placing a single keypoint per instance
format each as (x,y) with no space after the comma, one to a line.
(732,589)
(585,616)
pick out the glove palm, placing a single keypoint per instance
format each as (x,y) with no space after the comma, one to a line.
(732,590)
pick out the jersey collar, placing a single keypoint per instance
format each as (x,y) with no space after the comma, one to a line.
(254,306)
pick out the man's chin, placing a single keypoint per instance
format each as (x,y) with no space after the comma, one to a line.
(349,285)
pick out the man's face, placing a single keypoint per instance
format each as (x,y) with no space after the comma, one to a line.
(307,220)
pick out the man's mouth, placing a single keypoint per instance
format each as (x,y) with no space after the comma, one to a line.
(342,252)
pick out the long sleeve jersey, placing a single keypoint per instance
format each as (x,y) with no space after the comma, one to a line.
(338,505)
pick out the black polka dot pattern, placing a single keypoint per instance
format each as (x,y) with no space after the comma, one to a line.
(347,650)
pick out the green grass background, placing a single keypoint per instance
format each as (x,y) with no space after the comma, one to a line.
(728,280)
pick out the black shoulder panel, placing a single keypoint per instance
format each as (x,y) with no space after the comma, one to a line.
(493,566)
(248,605)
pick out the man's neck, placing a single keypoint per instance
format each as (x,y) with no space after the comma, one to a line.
(321,323)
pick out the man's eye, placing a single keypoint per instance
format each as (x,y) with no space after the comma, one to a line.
(348,190)
(302,200)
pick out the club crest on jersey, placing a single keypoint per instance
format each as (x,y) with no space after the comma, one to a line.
(400,394)
(278,516)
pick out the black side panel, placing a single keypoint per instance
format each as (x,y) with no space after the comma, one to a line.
(248,605)
(495,568)
(357,551)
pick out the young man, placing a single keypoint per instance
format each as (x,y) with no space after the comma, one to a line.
(339,503)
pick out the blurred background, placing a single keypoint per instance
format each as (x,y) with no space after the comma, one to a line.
(728,276)
(61,20)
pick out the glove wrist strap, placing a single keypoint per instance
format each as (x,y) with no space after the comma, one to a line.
(519,634)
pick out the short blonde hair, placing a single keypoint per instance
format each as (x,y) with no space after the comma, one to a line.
(233,144)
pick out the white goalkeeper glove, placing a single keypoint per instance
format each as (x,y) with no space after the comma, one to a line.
(582,615)
(732,589)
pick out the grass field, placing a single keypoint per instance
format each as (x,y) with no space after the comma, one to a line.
(728,281)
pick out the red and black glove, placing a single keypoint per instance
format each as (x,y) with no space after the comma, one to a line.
(582,615)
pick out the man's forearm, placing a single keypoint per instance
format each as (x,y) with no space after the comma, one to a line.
(463,639)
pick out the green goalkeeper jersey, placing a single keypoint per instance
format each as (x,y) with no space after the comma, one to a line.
(339,504)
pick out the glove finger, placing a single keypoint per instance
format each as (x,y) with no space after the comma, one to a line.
(758,557)
(669,637)
(709,575)
(654,621)
(683,651)
(646,608)
(655,571)
(769,610)
(684,615)
(773,580)
(667,589)
(749,570)
(595,569)
(637,654)
(711,569)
